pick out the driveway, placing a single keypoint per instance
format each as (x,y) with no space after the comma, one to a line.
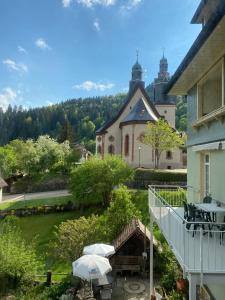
(31,196)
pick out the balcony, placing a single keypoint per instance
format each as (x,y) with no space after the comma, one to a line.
(197,251)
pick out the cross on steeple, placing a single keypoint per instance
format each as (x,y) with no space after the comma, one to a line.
(137,54)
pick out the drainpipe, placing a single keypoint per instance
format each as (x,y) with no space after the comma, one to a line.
(201,258)
(151,254)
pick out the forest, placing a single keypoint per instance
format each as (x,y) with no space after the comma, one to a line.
(75,120)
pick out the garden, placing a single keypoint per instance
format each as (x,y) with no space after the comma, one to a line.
(100,206)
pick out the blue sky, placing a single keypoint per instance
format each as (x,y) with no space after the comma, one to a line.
(53,50)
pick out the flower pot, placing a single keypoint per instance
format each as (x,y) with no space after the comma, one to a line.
(181,284)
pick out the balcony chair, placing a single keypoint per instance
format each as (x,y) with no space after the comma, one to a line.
(207,199)
(194,215)
(221,228)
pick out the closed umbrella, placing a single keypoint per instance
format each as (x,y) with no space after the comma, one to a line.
(99,249)
(91,267)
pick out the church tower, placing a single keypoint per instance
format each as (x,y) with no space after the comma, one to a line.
(137,74)
(163,74)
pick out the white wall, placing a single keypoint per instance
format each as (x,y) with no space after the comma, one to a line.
(0,194)
(167,111)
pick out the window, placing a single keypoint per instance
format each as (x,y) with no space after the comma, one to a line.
(210,91)
(99,149)
(169,155)
(207,174)
(126,145)
(111,149)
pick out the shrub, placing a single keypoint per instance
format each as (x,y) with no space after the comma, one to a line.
(157,176)
(19,262)
(94,181)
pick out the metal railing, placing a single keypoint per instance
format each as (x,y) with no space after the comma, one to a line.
(198,246)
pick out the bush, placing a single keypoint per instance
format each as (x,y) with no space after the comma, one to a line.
(143,178)
(94,181)
(19,262)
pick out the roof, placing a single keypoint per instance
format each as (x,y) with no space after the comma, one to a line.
(129,96)
(198,12)
(140,112)
(199,42)
(2,183)
(129,230)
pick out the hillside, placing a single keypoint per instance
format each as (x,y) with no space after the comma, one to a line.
(84,116)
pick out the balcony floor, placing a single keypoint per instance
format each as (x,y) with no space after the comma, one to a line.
(186,247)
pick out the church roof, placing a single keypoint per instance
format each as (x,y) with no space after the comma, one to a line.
(126,101)
(140,113)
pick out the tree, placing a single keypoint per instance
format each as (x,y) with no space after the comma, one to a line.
(18,259)
(120,212)
(8,161)
(94,181)
(73,235)
(66,133)
(161,137)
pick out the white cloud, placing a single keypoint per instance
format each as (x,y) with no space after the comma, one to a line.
(66,3)
(97,25)
(42,44)
(12,65)
(90,85)
(7,96)
(89,3)
(21,49)
(131,4)
(49,103)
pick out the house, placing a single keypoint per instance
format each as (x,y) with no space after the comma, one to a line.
(200,77)
(132,248)
(2,185)
(122,134)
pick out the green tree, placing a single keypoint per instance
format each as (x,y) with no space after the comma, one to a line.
(52,154)
(18,259)
(94,181)
(66,133)
(27,156)
(8,161)
(161,137)
(120,212)
(73,235)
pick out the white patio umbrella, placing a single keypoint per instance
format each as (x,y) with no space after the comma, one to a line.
(99,249)
(91,267)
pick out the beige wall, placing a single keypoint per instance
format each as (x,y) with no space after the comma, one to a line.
(0,194)
(167,111)
(195,176)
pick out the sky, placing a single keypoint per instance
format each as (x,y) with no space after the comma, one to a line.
(54,50)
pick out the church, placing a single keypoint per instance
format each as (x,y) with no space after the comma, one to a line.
(122,134)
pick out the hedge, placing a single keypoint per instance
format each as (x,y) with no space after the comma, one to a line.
(143,178)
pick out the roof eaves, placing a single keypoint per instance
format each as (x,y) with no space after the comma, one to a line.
(202,37)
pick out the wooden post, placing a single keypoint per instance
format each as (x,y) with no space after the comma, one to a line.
(49,278)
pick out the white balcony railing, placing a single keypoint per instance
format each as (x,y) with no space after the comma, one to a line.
(200,249)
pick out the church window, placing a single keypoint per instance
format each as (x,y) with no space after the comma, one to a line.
(169,155)
(99,149)
(111,149)
(126,146)
(111,138)
(99,139)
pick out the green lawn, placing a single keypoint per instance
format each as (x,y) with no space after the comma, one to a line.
(36,202)
(40,229)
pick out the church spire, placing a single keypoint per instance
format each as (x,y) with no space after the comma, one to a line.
(163,69)
(137,73)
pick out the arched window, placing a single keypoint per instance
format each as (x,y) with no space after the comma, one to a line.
(169,155)
(126,145)
(111,149)
(99,149)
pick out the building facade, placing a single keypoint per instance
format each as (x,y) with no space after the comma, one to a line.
(122,135)
(200,78)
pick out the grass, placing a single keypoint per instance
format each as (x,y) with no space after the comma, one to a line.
(40,229)
(36,202)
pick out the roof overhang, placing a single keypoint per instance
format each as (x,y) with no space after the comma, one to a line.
(208,48)
(220,145)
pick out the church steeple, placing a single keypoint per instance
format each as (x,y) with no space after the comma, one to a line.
(137,73)
(163,69)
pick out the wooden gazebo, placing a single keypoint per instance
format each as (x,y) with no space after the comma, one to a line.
(132,248)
